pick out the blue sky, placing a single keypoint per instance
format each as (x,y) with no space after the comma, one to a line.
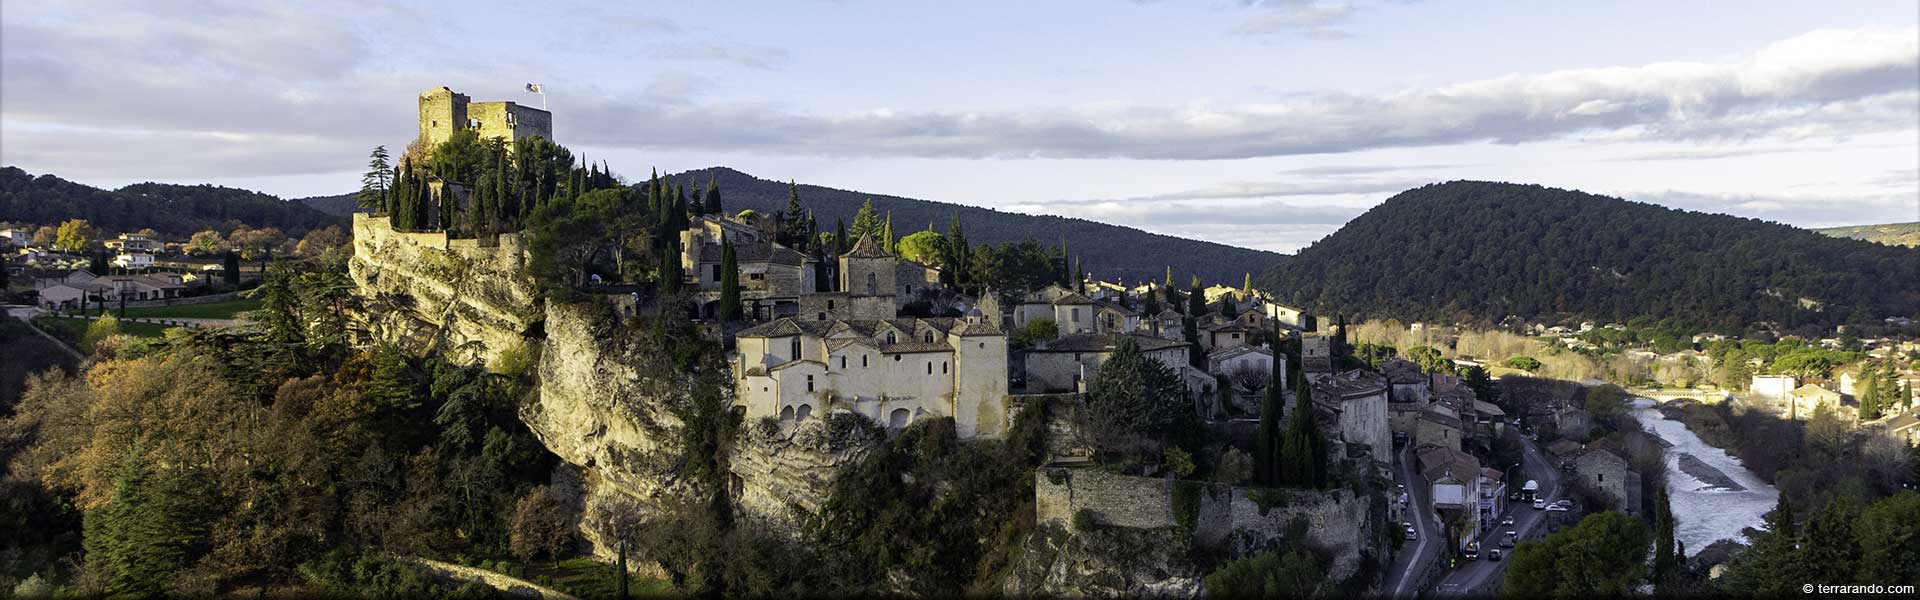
(1261,124)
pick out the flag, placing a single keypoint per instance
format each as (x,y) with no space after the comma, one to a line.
(533,87)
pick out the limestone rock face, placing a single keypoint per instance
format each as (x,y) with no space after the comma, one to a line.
(603,404)
(1105,562)
(785,471)
(467,300)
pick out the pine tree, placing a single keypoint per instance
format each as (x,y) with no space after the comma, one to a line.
(729,284)
(865,222)
(374,184)
(148,531)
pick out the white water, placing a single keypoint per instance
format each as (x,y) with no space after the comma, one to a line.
(1703,513)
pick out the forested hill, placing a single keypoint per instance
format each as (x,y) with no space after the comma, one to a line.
(172,210)
(343,205)
(1108,251)
(1479,251)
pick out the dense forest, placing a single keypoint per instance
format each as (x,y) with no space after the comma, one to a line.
(1481,251)
(1108,251)
(173,210)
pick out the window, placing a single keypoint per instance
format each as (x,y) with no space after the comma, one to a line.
(929,367)
(829,305)
(863,361)
(929,337)
(872,284)
(756,276)
(1601,477)
(793,346)
(890,338)
(715,270)
(843,362)
(1236,336)
(1076,315)
(943,367)
(821,317)
(809,383)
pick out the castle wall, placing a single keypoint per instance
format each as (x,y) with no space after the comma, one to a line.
(980,381)
(510,121)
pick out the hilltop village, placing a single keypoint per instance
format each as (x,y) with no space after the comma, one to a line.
(767,403)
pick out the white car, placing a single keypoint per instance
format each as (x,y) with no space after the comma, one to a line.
(1539,504)
(1507,522)
(1557,507)
(1411,534)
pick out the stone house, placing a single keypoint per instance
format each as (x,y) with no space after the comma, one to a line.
(17,237)
(891,371)
(1409,383)
(1316,357)
(1359,398)
(1602,466)
(1438,426)
(1111,317)
(1064,364)
(1291,317)
(1454,479)
(1169,324)
(1804,400)
(1224,335)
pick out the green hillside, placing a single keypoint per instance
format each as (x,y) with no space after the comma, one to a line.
(1891,234)
(1480,251)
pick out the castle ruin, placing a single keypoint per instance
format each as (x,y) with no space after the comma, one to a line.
(444,111)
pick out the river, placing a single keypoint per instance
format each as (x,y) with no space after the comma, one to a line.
(1714,497)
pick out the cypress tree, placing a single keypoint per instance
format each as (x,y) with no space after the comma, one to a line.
(840,237)
(957,253)
(1665,563)
(886,234)
(1246,282)
(1079,278)
(1195,355)
(1267,455)
(1196,302)
(712,202)
(231,271)
(729,284)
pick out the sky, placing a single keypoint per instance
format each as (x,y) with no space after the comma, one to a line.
(1258,124)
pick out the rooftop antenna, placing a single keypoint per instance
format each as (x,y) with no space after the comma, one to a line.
(535,88)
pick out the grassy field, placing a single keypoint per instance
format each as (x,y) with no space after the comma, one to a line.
(70,329)
(216,310)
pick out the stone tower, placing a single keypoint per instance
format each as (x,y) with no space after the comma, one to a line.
(868,276)
(444,111)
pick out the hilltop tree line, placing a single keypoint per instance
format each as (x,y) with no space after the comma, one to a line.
(174,211)
(1480,251)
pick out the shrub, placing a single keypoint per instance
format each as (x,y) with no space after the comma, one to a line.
(1271,574)
(1179,461)
(1186,504)
(1234,467)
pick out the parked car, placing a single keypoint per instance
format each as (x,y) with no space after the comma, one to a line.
(1411,534)
(1539,504)
(1493,555)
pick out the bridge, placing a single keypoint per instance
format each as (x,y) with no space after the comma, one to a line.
(1665,395)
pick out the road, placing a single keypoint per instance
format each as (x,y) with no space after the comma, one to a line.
(1404,572)
(26,314)
(1482,577)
